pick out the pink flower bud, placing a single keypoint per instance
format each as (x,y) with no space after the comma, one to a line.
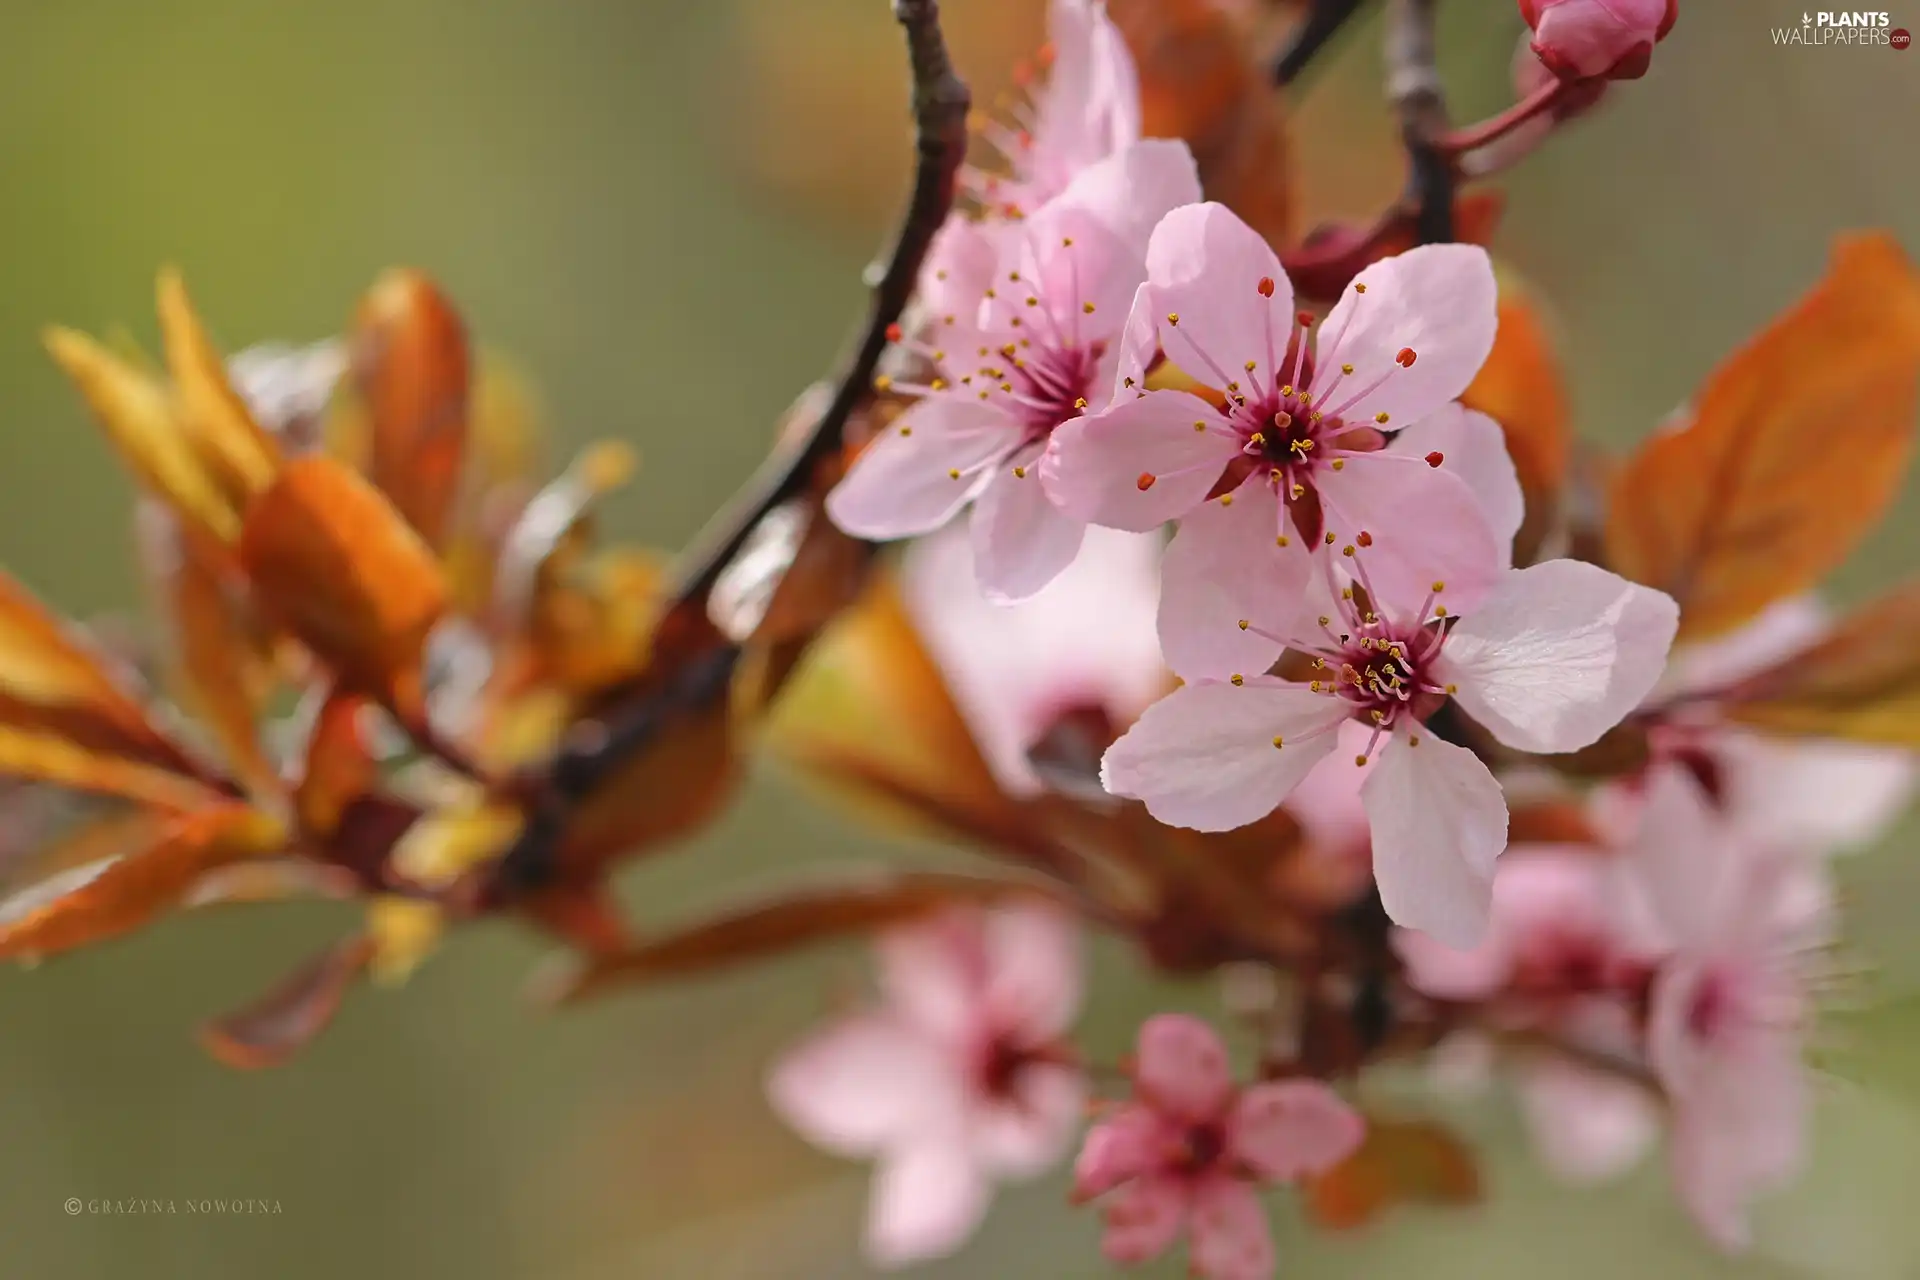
(1611,39)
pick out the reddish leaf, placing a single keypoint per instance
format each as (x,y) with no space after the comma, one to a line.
(1861,683)
(338,765)
(286,1019)
(1400,1162)
(117,896)
(233,449)
(409,353)
(332,562)
(1793,451)
(771,925)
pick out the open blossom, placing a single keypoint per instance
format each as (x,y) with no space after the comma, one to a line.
(1550,661)
(1082,649)
(1087,109)
(1742,925)
(1578,39)
(1188,1151)
(1812,794)
(1561,955)
(1296,455)
(960,1078)
(1022,348)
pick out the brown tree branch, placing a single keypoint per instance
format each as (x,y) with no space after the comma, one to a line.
(1414,88)
(1323,21)
(683,676)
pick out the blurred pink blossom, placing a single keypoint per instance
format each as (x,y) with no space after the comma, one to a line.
(960,1078)
(1579,39)
(1187,1152)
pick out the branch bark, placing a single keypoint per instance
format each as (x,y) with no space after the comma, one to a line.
(1323,21)
(1413,86)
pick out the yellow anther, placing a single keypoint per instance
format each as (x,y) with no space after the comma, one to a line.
(1280,540)
(1226,499)
(1080,403)
(1236,679)
(906,431)
(1173,317)
(1019,473)
(1198,426)
(953,473)
(1249,366)
(1300,491)
(1339,464)
(1359,288)
(1413,740)
(1244,624)
(1087,307)
(1453,688)
(883,383)
(1286,390)
(1347,551)
(1346,368)
(1439,611)
(1380,418)
(938,384)
(1325,620)
(1278,741)
(1361,761)
(1233,386)
(1438,586)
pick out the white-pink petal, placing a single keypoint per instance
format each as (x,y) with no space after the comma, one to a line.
(928,1197)
(1021,541)
(1144,1218)
(1558,654)
(905,482)
(1135,187)
(1140,463)
(1587,1127)
(1426,526)
(1204,756)
(862,1083)
(1439,824)
(1029,1131)
(1287,1129)
(1474,449)
(1438,301)
(1229,1237)
(1224,567)
(1206,267)
(1034,970)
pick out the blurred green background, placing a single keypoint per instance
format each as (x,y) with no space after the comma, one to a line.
(661,208)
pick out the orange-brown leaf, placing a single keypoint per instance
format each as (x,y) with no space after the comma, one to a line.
(1200,81)
(119,895)
(777,923)
(51,758)
(338,765)
(286,1019)
(410,362)
(1400,1162)
(54,683)
(138,417)
(233,449)
(1862,682)
(1521,387)
(333,562)
(222,668)
(1793,451)
(672,786)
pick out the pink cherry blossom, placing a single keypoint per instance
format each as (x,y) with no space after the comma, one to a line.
(1802,793)
(1087,109)
(1561,956)
(1186,1154)
(1743,925)
(1041,338)
(1577,39)
(958,1079)
(1552,659)
(1296,455)
(1083,647)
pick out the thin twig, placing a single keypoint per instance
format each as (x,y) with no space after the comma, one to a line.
(1323,21)
(595,748)
(1413,85)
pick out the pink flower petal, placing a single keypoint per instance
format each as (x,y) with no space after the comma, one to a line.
(1229,1237)
(1741,1139)
(859,1084)
(927,1199)
(1204,756)
(1825,797)
(1537,891)
(1133,353)
(1287,1129)
(1223,568)
(1132,1143)
(1066,258)
(933,973)
(1139,464)
(1587,1127)
(1087,639)
(959,270)
(1181,1068)
(1327,803)
(1021,541)
(1558,654)
(1143,1219)
(903,483)
(1439,823)
(1034,970)
(1090,105)
(1782,630)
(1439,302)
(1427,526)
(1026,1134)
(1475,450)
(1679,861)
(1135,187)
(1207,268)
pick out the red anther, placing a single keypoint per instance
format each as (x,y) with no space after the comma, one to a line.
(1435,458)
(1266,286)
(1145,482)
(1306,319)
(1365,539)
(1406,357)
(894,333)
